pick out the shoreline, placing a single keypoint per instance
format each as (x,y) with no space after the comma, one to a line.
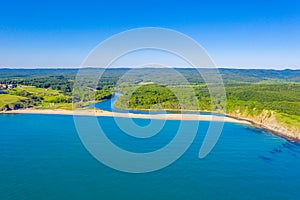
(102,113)
(267,128)
(169,116)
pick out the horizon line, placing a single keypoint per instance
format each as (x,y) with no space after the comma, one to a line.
(133,67)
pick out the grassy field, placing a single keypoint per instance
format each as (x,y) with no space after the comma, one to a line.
(63,106)
(40,92)
(291,121)
(30,96)
(7,99)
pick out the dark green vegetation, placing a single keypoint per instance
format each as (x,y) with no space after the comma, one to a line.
(250,93)
(58,81)
(148,96)
(280,97)
(283,98)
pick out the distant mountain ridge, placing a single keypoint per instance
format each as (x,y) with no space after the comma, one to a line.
(229,75)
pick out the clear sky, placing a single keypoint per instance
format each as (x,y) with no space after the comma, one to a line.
(240,34)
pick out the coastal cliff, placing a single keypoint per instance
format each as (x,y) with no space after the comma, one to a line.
(273,122)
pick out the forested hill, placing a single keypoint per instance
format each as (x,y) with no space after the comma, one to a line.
(229,75)
(254,75)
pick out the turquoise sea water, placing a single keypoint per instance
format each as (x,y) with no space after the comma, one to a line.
(42,157)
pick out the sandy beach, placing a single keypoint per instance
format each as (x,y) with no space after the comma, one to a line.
(102,113)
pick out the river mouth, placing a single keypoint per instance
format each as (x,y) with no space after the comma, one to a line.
(108,105)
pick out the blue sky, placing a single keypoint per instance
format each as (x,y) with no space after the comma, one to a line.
(240,34)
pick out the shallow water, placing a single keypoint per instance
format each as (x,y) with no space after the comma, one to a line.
(42,157)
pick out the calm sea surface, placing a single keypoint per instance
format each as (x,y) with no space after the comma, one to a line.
(42,157)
